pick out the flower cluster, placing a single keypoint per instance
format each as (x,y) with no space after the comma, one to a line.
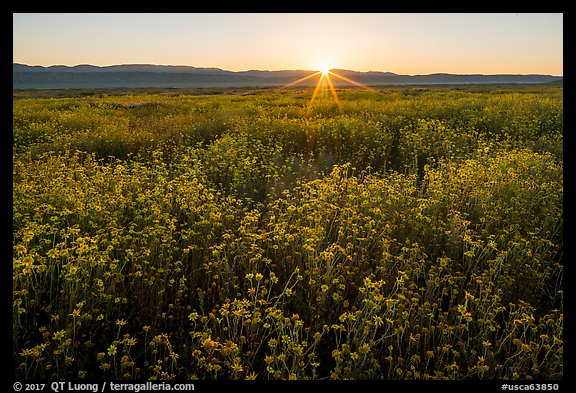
(415,234)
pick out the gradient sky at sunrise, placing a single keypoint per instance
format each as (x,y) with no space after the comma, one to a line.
(410,43)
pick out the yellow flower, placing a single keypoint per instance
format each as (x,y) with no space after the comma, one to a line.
(59,335)
(364,348)
(209,344)
(112,350)
(252,376)
(120,322)
(337,355)
(273,277)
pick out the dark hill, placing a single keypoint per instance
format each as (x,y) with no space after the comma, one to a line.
(148,75)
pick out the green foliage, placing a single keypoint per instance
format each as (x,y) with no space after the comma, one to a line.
(408,234)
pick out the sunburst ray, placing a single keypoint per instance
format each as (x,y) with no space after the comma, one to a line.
(352,81)
(333,91)
(316,90)
(301,80)
(325,74)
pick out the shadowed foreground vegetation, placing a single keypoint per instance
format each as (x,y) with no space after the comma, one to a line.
(409,234)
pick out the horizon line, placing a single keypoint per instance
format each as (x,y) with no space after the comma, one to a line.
(276,70)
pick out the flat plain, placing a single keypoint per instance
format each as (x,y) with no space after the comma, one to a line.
(397,233)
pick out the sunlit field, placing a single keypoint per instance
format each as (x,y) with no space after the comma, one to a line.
(399,233)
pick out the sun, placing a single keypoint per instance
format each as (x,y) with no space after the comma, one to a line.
(325,82)
(324,69)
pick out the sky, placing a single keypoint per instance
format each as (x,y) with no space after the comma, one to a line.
(403,43)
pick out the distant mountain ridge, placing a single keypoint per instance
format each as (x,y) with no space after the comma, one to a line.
(17,67)
(149,75)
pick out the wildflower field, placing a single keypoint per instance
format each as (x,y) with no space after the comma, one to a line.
(409,233)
